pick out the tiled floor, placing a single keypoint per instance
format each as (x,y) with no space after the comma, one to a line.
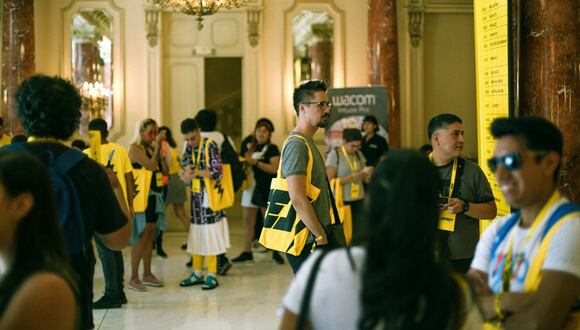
(248,297)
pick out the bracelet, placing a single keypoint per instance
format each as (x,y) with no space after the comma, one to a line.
(497,306)
(321,237)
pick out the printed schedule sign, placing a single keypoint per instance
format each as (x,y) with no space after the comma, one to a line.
(492,80)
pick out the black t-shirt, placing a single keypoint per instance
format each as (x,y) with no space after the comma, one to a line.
(262,178)
(101,211)
(374,149)
(101,214)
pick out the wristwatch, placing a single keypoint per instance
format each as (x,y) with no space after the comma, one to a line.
(465,206)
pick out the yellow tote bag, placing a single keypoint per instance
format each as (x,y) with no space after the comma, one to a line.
(344,211)
(142,179)
(283,230)
(220,194)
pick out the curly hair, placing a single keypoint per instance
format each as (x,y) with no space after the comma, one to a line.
(48,107)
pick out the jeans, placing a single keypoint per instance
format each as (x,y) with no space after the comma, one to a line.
(297,261)
(113,269)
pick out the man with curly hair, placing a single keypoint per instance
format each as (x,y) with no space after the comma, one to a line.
(49,109)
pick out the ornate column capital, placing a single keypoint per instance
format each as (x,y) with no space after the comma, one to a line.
(416,10)
(253,15)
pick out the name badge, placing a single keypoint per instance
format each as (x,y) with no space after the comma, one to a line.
(447,220)
(355,190)
(196,185)
(159,179)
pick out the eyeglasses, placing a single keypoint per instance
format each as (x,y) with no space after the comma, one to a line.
(512,161)
(320,104)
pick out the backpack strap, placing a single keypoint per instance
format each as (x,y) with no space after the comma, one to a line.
(67,160)
(502,233)
(562,214)
(305,307)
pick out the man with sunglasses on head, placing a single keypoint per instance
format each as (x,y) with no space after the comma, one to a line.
(465,194)
(527,265)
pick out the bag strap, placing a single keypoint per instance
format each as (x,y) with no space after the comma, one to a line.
(310,158)
(337,221)
(67,160)
(503,231)
(305,307)
(561,212)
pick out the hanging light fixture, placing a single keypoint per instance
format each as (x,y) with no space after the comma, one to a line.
(199,8)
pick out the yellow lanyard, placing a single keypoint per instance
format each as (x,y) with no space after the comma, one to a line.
(42,139)
(508,267)
(352,164)
(453,175)
(198,156)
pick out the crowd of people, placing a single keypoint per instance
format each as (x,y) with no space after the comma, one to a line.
(416,259)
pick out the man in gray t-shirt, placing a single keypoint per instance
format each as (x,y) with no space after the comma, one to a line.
(313,109)
(466,195)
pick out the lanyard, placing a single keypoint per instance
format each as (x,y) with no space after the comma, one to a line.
(352,164)
(40,139)
(453,175)
(198,156)
(508,268)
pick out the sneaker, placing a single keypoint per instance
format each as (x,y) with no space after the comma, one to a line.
(189,264)
(210,283)
(191,280)
(224,267)
(137,286)
(123,298)
(277,258)
(243,257)
(161,253)
(151,280)
(184,247)
(107,302)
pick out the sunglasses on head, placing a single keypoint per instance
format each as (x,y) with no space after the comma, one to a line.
(512,161)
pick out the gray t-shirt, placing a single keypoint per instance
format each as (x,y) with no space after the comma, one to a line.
(295,161)
(343,169)
(472,187)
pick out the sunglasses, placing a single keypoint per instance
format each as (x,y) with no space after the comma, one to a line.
(512,161)
(320,104)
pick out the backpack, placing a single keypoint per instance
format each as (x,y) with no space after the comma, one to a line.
(69,215)
(230,156)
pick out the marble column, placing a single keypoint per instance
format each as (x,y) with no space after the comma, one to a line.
(383,60)
(17,55)
(549,76)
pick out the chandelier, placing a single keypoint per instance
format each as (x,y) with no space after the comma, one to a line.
(198,8)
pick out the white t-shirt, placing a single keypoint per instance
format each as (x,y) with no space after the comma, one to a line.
(218,138)
(563,253)
(336,293)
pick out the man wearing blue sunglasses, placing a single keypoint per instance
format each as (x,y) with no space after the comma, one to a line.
(527,265)
(465,194)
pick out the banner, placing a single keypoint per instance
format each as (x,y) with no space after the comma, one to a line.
(349,107)
(493,75)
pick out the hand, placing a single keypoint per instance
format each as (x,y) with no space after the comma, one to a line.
(160,137)
(322,241)
(251,160)
(187,174)
(454,205)
(202,173)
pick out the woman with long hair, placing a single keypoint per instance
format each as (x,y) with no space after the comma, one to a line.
(264,157)
(175,187)
(145,152)
(38,291)
(393,280)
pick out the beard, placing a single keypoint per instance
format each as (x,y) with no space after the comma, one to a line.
(323,122)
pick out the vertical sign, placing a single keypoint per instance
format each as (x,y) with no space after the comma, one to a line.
(493,76)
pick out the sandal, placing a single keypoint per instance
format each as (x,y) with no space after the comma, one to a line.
(191,280)
(210,283)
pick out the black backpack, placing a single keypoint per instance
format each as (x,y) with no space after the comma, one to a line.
(230,156)
(70,218)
